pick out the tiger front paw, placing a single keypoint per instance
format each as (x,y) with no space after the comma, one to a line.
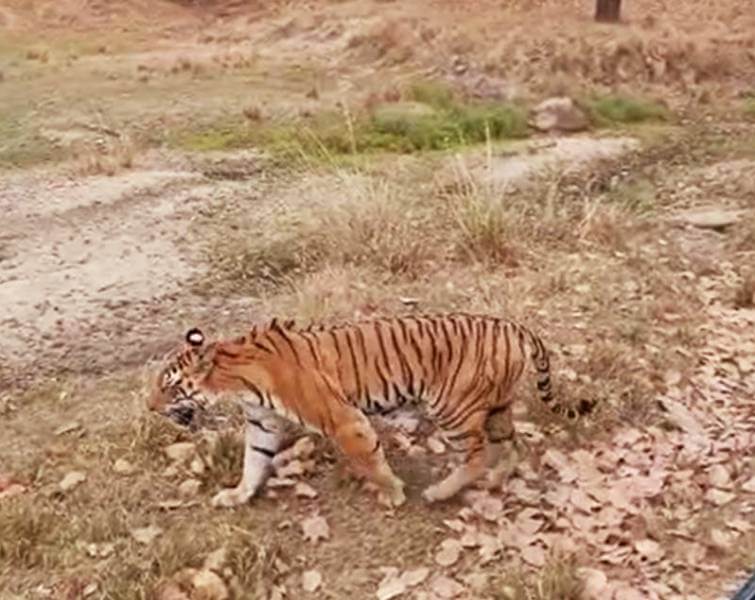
(230,497)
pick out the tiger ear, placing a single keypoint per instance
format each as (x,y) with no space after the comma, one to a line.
(194,337)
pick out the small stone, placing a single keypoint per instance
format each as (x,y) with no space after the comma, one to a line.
(197,466)
(209,586)
(180,452)
(189,488)
(717,219)
(559,114)
(146,535)
(215,561)
(71,480)
(123,467)
(311,580)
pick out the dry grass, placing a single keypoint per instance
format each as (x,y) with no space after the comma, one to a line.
(109,156)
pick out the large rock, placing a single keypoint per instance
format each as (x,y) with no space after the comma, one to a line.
(559,114)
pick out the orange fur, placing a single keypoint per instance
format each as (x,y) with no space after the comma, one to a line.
(460,368)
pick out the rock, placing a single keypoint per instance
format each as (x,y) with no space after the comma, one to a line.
(215,561)
(311,580)
(189,488)
(716,218)
(146,535)
(209,586)
(169,590)
(123,467)
(558,114)
(180,452)
(71,480)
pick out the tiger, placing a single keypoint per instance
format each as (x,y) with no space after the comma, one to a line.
(458,368)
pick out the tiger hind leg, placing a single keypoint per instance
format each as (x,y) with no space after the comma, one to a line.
(499,428)
(475,445)
(359,442)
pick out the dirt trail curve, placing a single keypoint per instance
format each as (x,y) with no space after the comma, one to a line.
(83,263)
(94,268)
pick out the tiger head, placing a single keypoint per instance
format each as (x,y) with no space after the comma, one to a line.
(177,388)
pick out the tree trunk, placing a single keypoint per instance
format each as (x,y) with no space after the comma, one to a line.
(608,11)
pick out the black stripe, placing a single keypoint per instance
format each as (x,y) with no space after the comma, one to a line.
(260,425)
(265,451)
(312,349)
(336,344)
(465,409)
(252,388)
(262,347)
(406,372)
(291,345)
(357,378)
(507,357)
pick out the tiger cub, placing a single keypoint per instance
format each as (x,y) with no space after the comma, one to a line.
(460,368)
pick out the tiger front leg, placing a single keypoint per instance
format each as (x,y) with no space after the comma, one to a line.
(264,435)
(359,442)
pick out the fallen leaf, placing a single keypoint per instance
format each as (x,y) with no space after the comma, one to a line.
(295,468)
(649,549)
(89,590)
(719,477)
(311,580)
(533,555)
(749,485)
(450,550)
(456,525)
(558,461)
(197,466)
(415,576)
(67,428)
(170,504)
(215,561)
(625,592)
(595,582)
(721,539)
(304,490)
(146,535)
(582,501)
(279,482)
(739,525)
(719,497)
(488,507)
(71,480)
(180,451)
(445,587)
(680,415)
(390,587)
(315,528)
(100,550)
(189,488)
(209,586)
(169,590)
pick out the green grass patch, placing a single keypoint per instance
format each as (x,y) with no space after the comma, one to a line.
(749,107)
(616,110)
(432,118)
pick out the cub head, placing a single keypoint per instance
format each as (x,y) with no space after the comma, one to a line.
(176,389)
